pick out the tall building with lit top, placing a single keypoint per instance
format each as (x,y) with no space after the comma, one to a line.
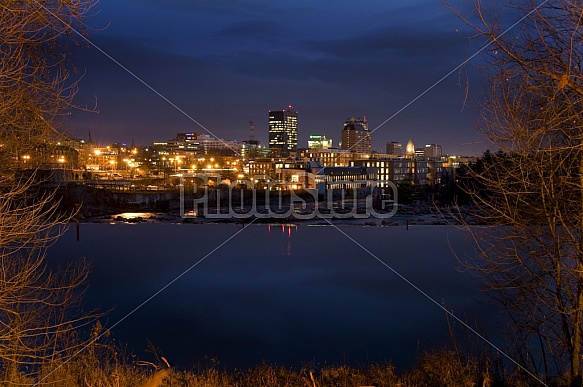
(283,131)
(355,136)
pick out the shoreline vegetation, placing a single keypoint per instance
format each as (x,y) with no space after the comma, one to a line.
(105,365)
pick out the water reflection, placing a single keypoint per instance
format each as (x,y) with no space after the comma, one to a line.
(134,217)
(332,303)
(286,229)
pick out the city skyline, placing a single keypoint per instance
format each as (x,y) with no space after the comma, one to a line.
(316,139)
(282,115)
(224,65)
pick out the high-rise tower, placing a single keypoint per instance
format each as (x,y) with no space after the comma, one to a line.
(283,131)
(355,135)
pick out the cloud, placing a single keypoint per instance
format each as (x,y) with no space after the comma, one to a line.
(393,43)
(231,7)
(255,29)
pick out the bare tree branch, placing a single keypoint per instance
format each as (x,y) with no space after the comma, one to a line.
(530,193)
(41,313)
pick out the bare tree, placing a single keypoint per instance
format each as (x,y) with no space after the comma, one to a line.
(40,310)
(531,192)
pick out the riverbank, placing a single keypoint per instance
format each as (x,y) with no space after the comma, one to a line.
(103,206)
(404,216)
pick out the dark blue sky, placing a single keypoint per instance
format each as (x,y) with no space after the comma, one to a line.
(227,62)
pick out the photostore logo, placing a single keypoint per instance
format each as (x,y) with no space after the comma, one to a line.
(210,196)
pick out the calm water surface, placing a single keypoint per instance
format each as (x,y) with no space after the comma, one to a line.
(284,294)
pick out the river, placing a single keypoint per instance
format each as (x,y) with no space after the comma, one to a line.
(288,294)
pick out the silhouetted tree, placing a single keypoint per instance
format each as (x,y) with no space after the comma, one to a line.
(39,309)
(408,191)
(531,192)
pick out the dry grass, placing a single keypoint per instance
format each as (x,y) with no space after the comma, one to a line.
(104,367)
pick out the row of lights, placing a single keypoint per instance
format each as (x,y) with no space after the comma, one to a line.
(26,159)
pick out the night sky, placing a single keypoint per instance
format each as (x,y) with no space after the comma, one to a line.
(227,62)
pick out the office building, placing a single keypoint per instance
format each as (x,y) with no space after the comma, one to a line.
(283,132)
(355,136)
(394,148)
(319,142)
(432,151)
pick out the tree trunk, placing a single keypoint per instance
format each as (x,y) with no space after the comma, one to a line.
(576,347)
(577,324)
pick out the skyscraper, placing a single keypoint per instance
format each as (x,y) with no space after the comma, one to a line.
(355,135)
(283,131)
